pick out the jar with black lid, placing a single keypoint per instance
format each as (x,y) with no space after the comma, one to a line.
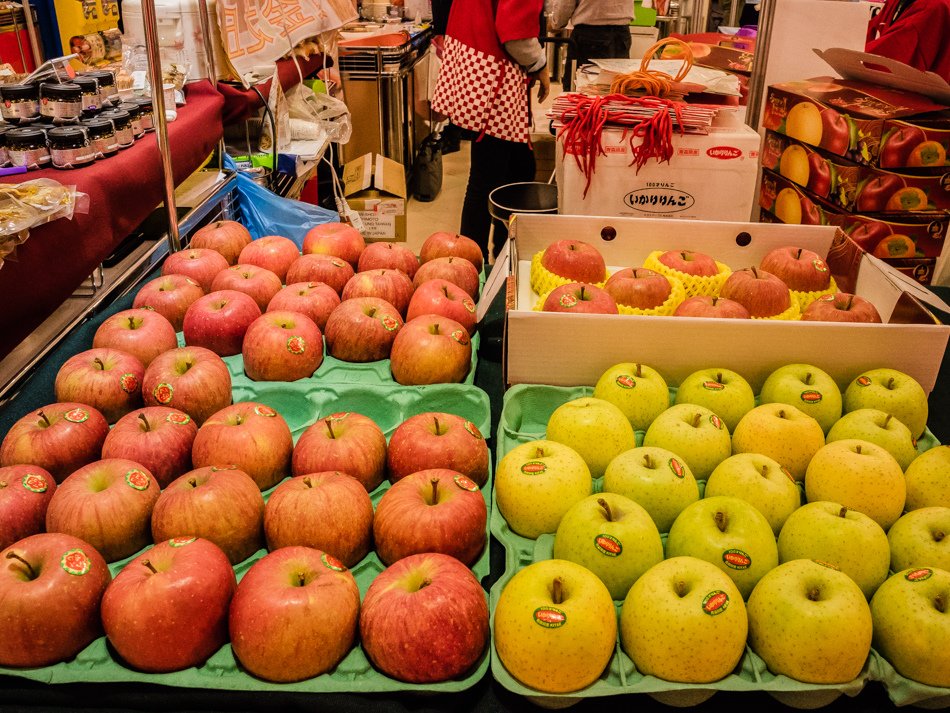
(21,103)
(102,136)
(69,147)
(61,102)
(108,93)
(146,111)
(135,113)
(91,103)
(122,123)
(26,146)
(4,158)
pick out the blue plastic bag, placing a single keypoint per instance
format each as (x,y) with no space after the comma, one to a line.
(266,213)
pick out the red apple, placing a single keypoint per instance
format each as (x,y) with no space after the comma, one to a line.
(200,264)
(811,213)
(706,306)
(362,329)
(392,256)
(58,437)
(443,244)
(327,269)
(170,296)
(579,298)
(835,132)
(868,233)
(25,492)
(431,349)
(348,442)
(436,510)
(574,260)
(759,291)
(143,333)
(258,283)
(158,437)
(339,239)
(294,615)
(191,379)
(690,262)
(314,299)
(638,287)
(425,619)
(437,440)
(167,610)
(897,144)
(456,270)
(51,586)
(108,504)
(251,436)
(394,286)
(223,505)
(227,237)
(271,252)
(841,307)
(106,379)
(874,192)
(445,298)
(282,346)
(800,269)
(329,511)
(819,175)
(219,320)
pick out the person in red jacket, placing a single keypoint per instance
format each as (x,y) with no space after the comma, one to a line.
(491,58)
(915,32)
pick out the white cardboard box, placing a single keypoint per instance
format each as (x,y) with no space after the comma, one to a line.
(569,349)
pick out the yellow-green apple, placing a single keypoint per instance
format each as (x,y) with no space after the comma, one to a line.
(345,441)
(328,511)
(655,478)
(722,391)
(578,297)
(444,244)
(438,296)
(892,392)
(282,346)
(170,296)
(639,287)
(431,349)
(362,329)
(227,237)
(314,299)
(638,390)
(810,622)
(328,269)
(437,510)
(689,262)
(847,539)
(51,586)
(706,306)
(106,379)
(108,504)
(249,435)
(58,437)
(574,260)
(167,610)
(841,307)
(456,270)
(870,424)
(143,333)
(729,533)
(219,320)
(678,607)
(338,239)
(437,439)
(200,264)
(258,283)
(695,434)
(919,539)
(612,536)
(760,481)
(800,269)
(220,504)
(190,379)
(595,428)
(911,626)
(25,492)
(928,479)
(555,626)
(781,432)
(157,437)
(859,475)
(294,615)
(536,483)
(807,388)
(270,252)
(391,256)
(424,619)
(759,291)
(394,286)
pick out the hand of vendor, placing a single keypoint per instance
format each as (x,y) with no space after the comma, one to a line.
(543,78)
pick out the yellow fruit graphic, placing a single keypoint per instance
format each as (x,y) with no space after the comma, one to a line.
(804,123)
(788,207)
(794,164)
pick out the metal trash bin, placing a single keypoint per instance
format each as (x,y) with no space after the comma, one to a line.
(528,197)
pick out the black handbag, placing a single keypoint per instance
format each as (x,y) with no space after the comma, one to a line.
(427,170)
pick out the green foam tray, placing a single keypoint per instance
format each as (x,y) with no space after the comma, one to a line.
(302,404)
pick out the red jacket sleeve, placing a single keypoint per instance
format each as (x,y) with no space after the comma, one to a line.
(918,37)
(518,19)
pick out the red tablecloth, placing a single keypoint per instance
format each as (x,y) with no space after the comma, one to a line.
(123,190)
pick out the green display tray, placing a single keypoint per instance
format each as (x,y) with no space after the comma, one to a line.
(524,416)
(301,404)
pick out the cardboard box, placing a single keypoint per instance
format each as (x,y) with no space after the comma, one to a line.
(569,349)
(375,187)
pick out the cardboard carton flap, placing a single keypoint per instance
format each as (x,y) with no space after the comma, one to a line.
(909,286)
(358,174)
(876,69)
(390,177)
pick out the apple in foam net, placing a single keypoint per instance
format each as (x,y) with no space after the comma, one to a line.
(58,437)
(580,298)
(394,286)
(328,269)
(227,237)
(282,346)
(456,270)
(431,349)
(25,492)
(339,239)
(51,586)
(841,307)
(706,306)
(362,329)
(345,441)
(437,440)
(170,296)
(191,379)
(314,299)
(445,298)
(158,437)
(259,283)
(690,262)
(759,291)
(391,256)
(638,287)
(143,333)
(800,269)
(107,379)
(574,260)
(271,252)
(219,320)
(443,244)
(200,264)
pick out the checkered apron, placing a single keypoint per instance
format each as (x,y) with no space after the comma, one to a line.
(482,93)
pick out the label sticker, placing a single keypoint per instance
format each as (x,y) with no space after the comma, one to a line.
(715,603)
(77,415)
(469,305)
(736,559)
(466,483)
(75,562)
(331,562)
(829,565)
(533,467)
(568,301)
(338,416)
(178,418)
(716,421)
(549,617)
(181,541)
(265,411)
(608,545)
(136,479)
(297,344)
(919,575)
(163,393)
(713,386)
(820,265)
(390,323)
(217,468)
(863,381)
(625,381)
(473,429)
(34,483)
(129,383)
(811,396)
(678,470)
(460,336)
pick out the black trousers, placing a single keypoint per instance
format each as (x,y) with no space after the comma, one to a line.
(595,42)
